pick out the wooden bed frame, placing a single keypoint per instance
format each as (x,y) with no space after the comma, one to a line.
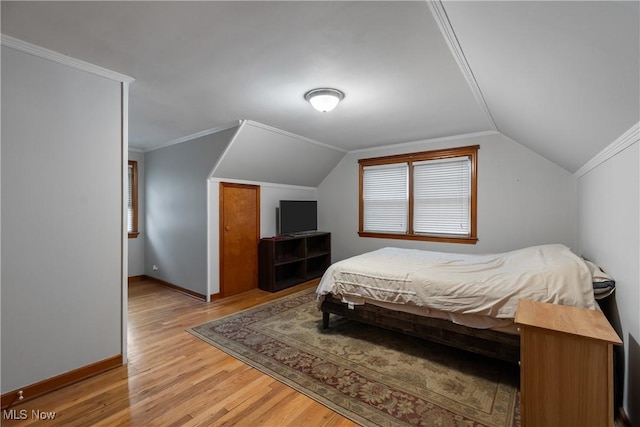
(498,345)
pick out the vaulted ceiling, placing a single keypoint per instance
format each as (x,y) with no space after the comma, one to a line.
(561,78)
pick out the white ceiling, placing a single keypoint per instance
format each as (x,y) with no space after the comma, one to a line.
(559,77)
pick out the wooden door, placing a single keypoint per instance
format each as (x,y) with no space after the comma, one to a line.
(239,237)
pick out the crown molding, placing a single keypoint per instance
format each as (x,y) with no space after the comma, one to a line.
(440,15)
(427,141)
(195,135)
(293,135)
(624,141)
(13,43)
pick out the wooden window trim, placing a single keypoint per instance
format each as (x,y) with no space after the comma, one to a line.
(134,234)
(469,151)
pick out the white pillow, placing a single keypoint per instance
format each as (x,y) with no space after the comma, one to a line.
(596,273)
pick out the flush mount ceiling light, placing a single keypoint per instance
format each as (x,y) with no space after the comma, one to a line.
(324,99)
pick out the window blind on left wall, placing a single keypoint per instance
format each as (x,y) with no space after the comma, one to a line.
(130,213)
(386,198)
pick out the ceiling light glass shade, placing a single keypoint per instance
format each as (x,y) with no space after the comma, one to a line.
(325,99)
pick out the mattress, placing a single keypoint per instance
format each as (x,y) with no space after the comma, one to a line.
(480,291)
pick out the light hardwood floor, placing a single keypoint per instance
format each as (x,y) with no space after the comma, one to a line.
(174,378)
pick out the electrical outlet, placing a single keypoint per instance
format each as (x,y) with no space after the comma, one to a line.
(155,267)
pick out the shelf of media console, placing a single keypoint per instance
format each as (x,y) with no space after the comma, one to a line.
(286,261)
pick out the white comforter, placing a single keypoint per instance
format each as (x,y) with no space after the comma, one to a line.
(488,285)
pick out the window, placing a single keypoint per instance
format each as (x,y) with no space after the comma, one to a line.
(132,200)
(420,196)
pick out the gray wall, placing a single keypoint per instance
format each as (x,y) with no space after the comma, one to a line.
(609,234)
(62,228)
(176,209)
(523,200)
(136,245)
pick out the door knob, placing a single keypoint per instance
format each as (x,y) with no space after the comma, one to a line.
(227,228)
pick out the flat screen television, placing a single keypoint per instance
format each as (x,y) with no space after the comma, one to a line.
(298,216)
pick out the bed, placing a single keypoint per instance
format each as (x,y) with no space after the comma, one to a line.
(462,300)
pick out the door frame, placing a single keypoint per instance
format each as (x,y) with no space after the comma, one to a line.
(221,187)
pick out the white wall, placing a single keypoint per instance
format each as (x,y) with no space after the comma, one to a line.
(523,199)
(609,235)
(62,219)
(136,245)
(270,196)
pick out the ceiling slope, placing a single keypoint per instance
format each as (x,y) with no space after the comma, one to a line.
(561,78)
(261,153)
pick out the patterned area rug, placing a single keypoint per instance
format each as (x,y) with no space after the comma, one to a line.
(370,375)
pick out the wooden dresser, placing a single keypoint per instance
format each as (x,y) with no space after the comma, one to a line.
(566,366)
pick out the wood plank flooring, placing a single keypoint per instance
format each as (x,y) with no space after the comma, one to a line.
(175,379)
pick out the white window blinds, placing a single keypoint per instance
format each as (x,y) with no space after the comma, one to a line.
(441,191)
(130,200)
(385,196)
